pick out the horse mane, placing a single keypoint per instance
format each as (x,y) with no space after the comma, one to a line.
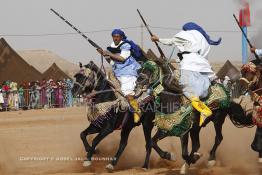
(170,81)
(102,85)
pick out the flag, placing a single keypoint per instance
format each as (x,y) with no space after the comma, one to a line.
(244,16)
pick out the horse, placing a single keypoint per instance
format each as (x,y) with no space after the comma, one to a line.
(251,81)
(95,84)
(236,114)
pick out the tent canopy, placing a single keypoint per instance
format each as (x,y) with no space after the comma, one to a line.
(55,73)
(228,69)
(13,67)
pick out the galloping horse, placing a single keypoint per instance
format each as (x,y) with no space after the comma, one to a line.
(95,80)
(234,110)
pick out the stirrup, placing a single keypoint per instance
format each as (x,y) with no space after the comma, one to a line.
(202,108)
(202,119)
(136,117)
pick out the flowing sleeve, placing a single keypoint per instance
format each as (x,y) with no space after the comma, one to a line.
(259,52)
(167,41)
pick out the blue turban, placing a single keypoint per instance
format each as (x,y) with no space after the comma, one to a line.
(119,32)
(194,26)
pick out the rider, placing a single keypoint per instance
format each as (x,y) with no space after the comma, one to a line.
(125,67)
(193,44)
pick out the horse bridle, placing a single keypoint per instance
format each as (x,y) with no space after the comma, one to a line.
(84,83)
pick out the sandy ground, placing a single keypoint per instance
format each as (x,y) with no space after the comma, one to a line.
(47,142)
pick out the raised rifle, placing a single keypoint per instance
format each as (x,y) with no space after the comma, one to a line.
(151,34)
(78,31)
(248,41)
(91,42)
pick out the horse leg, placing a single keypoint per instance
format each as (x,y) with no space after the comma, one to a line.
(147,128)
(194,135)
(160,134)
(104,132)
(123,142)
(194,156)
(218,139)
(186,157)
(90,130)
(260,157)
(257,142)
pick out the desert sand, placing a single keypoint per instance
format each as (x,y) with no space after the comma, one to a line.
(47,142)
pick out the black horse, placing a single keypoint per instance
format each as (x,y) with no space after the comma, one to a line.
(96,81)
(235,112)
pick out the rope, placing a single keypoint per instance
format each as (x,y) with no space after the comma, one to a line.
(173,50)
(102,65)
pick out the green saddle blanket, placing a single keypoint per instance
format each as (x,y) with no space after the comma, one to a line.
(179,122)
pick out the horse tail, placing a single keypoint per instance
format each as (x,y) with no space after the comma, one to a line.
(238,116)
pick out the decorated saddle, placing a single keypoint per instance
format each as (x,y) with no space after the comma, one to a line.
(98,113)
(179,122)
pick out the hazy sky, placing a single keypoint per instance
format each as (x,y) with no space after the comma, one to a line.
(34,17)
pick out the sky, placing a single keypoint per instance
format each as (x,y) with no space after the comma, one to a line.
(166,17)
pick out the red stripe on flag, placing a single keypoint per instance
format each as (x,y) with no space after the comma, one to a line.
(244,16)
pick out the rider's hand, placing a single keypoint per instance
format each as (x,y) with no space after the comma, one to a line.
(253,49)
(106,53)
(103,52)
(154,38)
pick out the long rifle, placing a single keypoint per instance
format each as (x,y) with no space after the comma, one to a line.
(91,42)
(78,31)
(244,34)
(148,29)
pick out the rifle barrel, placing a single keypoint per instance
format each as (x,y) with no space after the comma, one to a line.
(78,31)
(151,34)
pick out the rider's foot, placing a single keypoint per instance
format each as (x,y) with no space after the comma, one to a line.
(202,108)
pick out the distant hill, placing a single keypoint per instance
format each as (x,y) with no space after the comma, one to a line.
(43,59)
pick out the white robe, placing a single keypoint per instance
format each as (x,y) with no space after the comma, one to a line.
(196,72)
(194,42)
(259,52)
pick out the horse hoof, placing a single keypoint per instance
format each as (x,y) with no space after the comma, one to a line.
(211,163)
(197,155)
(87,163)
(184,169)
(110,167)
(172,157)
(260,160)
(144,168)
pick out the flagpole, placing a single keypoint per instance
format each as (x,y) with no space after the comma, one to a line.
(244,46)
(244,17)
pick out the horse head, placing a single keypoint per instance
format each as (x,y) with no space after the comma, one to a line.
(84,80)
(91,80)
